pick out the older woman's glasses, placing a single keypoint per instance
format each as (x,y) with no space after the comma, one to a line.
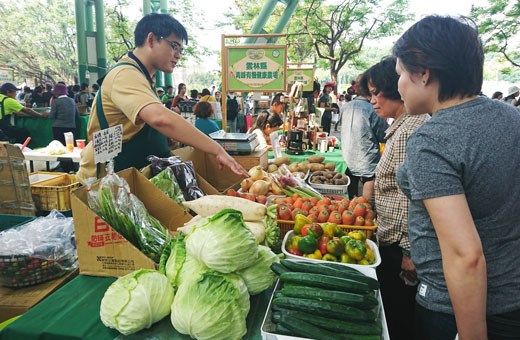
(177,48)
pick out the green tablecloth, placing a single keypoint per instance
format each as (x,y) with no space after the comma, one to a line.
(335,157)
(40,129)
(72,312)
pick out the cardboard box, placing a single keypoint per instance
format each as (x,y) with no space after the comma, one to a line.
(16,301)
(104,252)
(207,166)
(15,189)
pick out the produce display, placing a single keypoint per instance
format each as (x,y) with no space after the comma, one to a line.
(356,212)
(325,301)
(313,163)
(166,182)
(328,177)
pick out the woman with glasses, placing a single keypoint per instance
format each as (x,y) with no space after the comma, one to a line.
(127,97)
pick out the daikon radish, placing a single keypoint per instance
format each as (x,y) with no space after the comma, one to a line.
(186,228)
(212,204)
(258,229)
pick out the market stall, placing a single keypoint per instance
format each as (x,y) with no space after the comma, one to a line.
(73,313)
(40,129)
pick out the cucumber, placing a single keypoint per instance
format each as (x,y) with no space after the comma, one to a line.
(341,272)
(279,269)
(366,301)
(334,310)
(305,330)
(334,325)
(279,329)
(326,282)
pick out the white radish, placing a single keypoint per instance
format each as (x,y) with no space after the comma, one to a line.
(211,204)
(186,228)
(257,228)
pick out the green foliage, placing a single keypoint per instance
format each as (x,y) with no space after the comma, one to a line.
(499,26)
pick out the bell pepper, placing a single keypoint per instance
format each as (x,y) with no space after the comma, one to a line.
(356,249)
(299,221)
(363,262)
(329,229)
(358,235)
(345,239)
(314,229)
(308,244)
(346,259)
(340,232)
(295,252)
(322,244)
(335,247)
(316,255)
(293,243)
(370,256)
(330,258)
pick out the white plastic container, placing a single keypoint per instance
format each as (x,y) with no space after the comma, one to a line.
(371,244)
(267,329)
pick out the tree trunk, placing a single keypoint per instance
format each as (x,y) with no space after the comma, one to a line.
(334,79)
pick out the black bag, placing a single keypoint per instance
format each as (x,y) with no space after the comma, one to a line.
(232,108)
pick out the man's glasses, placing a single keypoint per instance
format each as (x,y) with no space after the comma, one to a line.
(174,45)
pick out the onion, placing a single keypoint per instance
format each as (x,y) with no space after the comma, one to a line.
(256,173)
(259,187)
(246,184)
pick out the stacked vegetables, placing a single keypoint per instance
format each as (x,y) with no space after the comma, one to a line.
(213,271)
(325,301)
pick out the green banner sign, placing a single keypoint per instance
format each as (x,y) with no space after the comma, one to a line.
(303,75)
(258,68)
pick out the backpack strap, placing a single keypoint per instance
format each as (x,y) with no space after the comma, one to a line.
(2,106)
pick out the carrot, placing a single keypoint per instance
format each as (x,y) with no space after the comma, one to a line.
(212,204)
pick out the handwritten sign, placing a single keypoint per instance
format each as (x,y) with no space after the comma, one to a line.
(107,143)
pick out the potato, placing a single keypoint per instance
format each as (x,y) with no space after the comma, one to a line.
(282,160)
(316,159)
(303,166)
(330,166)
(293,167)
(316,167)
(272,168)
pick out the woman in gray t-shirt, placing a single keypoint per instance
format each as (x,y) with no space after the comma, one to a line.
(462,177)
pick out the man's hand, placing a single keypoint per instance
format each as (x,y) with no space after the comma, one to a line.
(225,160)
(408,269)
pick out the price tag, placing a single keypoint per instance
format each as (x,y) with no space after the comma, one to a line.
(107,143)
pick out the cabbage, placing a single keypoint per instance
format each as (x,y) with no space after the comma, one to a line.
(259,276)
(191,270)
(136,301)
(211,305)
(175,260)
(223,242)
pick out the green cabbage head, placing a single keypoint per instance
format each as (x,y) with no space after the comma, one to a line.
(212,306)
(259,276)
(136,301)
(223,242)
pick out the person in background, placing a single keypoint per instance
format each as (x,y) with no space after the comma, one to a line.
(126,97)
(37,99)
(341,107)
(206,96)
(512,93)
(213,90)
(203,111)
(180,97)
(325,102)
(218,96)
(265,124)
(167,98)
(361,132)
(233,108)
(312,96)
(95,89)
(497,95)
(464,216)
(194,94)
(9,107)
(160,92)
(74,91)
(278,105)
(64,112)
(391,204)
(84,99)
(27,94)
(47,95)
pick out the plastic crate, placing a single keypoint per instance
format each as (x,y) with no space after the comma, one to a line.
(54,193)
(330,188)
(286,226)
(10,221)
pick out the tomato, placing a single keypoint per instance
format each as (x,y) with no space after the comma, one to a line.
(289,200)
(232,192)
(371,214)
(314,200)
(369,222)
(297,211)
(360,210)
(362,199)
(298,203)
(324,201)
(314,211)
(342,206)
(283,212)
(307,206)
(360,221)
(313,229)
(322,244)
(261,199)
(323,216)
(348,218)
(313,218)
(323,207)
(333,207)
(295,252)
(335,217)
(295,196)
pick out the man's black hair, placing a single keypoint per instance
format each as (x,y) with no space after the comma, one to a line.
(161,25)
(84,86)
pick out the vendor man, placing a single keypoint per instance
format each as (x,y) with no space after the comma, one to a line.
(9,107)
(127,97)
